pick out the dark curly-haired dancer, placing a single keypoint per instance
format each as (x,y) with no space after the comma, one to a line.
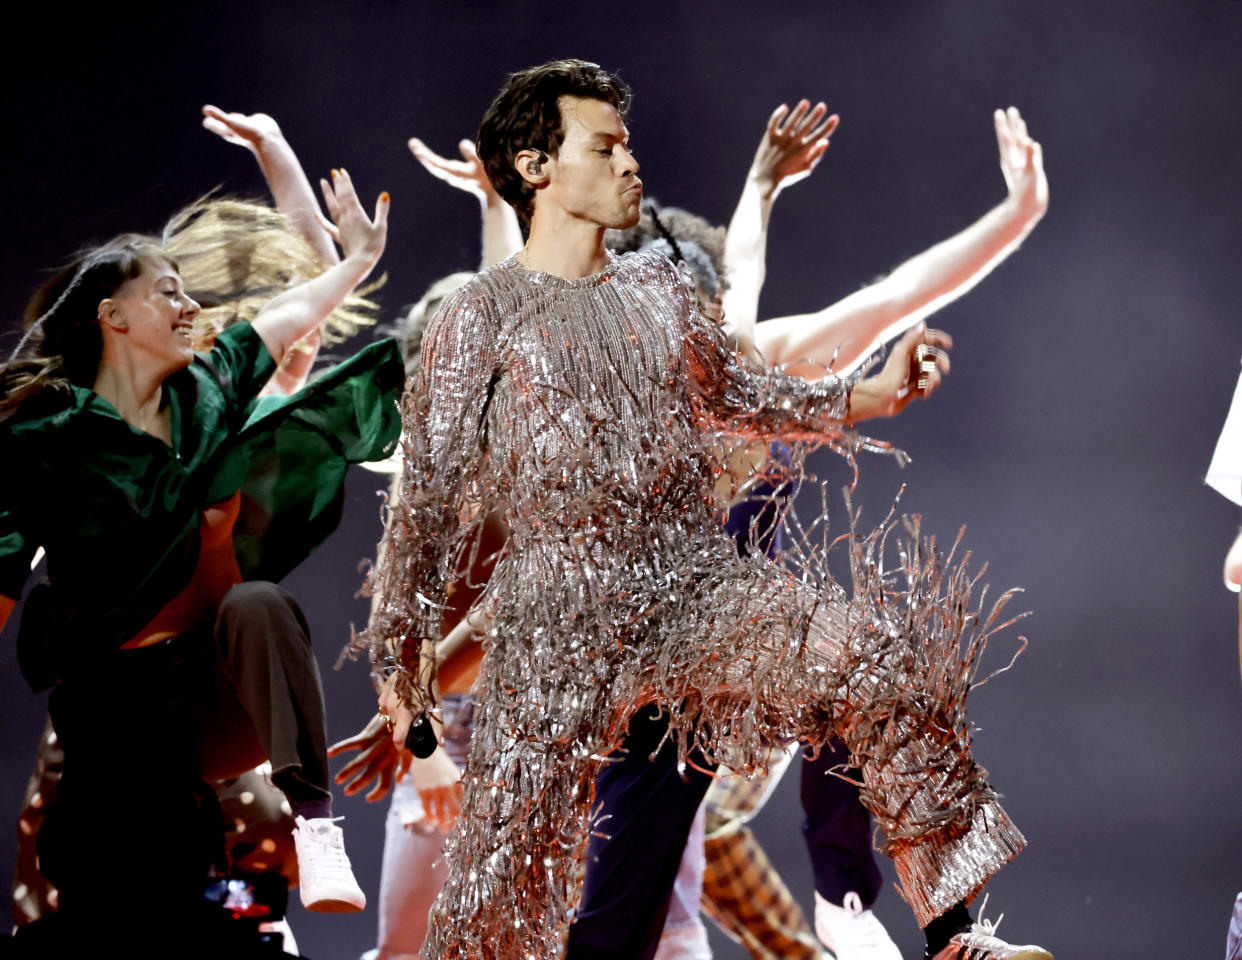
(579,390)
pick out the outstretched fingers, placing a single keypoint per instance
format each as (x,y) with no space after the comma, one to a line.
(791,122)
(774,121)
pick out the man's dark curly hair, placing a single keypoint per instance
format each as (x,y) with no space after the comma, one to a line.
(525,116)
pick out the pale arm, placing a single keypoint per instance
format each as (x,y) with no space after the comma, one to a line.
(791,147)
(502,237)
(739,398)
(295,198)
(292,191)
(845,333)
(298,311)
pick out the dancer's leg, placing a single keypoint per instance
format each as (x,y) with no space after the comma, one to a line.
(837,829)
(684,937)
(646,808)
(900,712)
(513,857)
(747,898)
(268,695)
(742,891)
(273,687)
(411,875)
(414,868)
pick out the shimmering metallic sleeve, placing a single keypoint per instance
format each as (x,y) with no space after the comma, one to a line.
(428,526)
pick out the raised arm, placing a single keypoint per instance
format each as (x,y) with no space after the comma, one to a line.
(791,146)
(502,236)
(845,333)
(298,311)
(739,398)
(292,191)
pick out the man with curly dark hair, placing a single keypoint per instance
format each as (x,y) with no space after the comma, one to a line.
(577,389)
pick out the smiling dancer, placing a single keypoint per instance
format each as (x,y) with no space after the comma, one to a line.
(145,477)
(574,388)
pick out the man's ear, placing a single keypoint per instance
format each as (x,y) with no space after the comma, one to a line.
(110,315)
(531,165)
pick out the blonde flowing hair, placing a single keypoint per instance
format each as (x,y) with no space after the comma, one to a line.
(234,256)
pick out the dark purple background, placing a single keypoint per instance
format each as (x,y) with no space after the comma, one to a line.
(1091,373)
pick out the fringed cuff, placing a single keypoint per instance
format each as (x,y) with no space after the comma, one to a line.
(944,870)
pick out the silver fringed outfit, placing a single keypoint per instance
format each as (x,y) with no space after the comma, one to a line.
(587,411)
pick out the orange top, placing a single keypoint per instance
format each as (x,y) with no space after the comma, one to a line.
(214,575)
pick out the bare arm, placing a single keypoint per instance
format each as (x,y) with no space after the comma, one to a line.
(848,331)
(502,236)
(295,198)
(292,191)
(739,398)
(298,311)
(791,147)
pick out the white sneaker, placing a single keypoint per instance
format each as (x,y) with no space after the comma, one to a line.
(326,883)
(981,943)
(851,932)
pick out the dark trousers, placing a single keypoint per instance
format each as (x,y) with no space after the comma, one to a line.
(837,829)
(133,822)
(646,809)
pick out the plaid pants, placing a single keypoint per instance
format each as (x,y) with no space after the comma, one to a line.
(742,892)
(746,897)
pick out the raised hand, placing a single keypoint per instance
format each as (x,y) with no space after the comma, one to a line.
(465,174)
(359,236)
(792,145)
(251,131)
(1021,162)
(377,760)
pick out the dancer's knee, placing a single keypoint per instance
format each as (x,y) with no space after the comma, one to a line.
(260,611)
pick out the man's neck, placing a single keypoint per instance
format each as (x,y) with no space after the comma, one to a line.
(564,246)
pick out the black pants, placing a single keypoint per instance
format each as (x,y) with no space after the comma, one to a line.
(134,827)
(837,829)
(647,809)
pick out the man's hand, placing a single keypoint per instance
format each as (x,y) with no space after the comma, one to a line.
(400,716)
(791,146)
(359,237)
(251,131)
(466,174)
(918,363)
(438,782)
(1022,163)
(377,760)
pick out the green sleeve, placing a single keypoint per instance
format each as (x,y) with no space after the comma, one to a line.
(16,552)
(291,458)
(241,363)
